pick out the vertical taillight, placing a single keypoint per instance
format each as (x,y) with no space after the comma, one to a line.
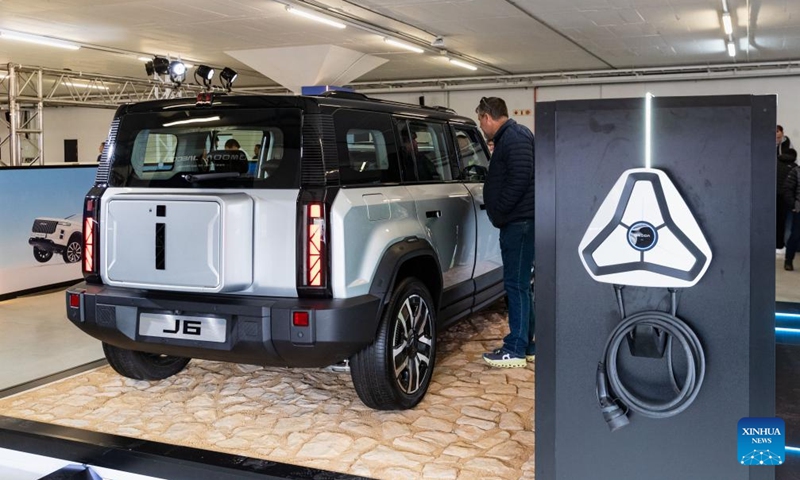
(88,245)
(315,245)
(91,235)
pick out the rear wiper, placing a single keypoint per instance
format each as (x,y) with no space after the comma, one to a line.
(210,176)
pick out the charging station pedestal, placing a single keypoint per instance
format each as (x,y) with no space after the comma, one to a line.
(719,152)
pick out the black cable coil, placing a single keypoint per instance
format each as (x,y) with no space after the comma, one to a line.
(608,380)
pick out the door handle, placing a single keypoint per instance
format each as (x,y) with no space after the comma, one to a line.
(433,213)
(482,206)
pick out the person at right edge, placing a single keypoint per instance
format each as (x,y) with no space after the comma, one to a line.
(790,191)
(508,194)
(786,157)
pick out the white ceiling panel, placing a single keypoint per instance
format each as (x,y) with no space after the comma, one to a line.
(516,36)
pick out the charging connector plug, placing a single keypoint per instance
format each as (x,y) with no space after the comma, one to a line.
(614,416)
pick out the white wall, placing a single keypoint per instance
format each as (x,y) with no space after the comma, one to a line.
(787,90)
(465,101)
(88,125)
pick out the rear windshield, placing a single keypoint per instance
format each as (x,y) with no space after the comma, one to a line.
(204,148)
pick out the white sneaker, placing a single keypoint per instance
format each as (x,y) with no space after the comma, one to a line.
(780,251)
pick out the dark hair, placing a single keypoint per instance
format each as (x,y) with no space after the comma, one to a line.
(780,127)
(232,143)
(495,107)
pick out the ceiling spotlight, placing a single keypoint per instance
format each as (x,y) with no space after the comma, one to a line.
(406,46)
(149,68)
(731,49)
(177,71)
(228,76)
(161,65)
(461,64)
(205,73)
(145,59)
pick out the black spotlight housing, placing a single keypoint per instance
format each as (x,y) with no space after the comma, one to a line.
(228,76)
(177,71)
(149,68)
(205,73)
(161,65)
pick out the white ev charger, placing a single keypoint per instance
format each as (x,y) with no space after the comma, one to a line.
(645,235)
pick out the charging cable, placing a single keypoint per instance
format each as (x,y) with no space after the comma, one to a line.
(615,409)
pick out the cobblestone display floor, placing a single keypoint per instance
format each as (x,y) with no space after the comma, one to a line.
(475,422)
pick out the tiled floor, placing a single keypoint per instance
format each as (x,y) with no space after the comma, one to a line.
(37,340)
(787,284)
(475,422)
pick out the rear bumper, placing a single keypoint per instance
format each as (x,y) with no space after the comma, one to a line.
(259,330)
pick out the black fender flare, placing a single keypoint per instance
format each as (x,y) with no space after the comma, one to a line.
(393,258)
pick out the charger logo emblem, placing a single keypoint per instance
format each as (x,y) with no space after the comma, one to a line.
(642,236)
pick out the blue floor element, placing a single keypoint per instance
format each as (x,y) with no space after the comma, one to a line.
(787,323)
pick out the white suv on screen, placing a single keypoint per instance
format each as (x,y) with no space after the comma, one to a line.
(60,236)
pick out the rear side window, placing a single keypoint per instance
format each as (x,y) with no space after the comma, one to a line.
(244,148)
(426,156)
(367,151)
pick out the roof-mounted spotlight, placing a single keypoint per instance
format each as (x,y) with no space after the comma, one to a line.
(228,76)
(205,73)
(149,68)
(177,71)
(161,65)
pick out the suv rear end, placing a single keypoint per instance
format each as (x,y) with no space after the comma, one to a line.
(263,230)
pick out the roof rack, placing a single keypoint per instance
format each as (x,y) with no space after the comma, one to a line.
(360,96)
(345,95)
(440,108)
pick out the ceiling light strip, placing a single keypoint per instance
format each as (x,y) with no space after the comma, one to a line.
(406,46)
(461,64)
(51,42)
(366,26)
(315,17)
(84,85)
(727,25)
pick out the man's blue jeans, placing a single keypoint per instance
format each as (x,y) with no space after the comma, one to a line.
(518,251)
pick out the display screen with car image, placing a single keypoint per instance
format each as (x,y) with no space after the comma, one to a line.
(41,229)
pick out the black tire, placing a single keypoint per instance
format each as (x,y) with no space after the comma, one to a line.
(74,251)
(42,256)
(394,372)
(141,365)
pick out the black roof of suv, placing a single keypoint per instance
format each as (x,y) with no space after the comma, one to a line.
(309,104)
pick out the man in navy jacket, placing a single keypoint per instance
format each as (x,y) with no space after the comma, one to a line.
(509,198)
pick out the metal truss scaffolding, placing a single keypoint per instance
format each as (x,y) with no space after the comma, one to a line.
(25,91)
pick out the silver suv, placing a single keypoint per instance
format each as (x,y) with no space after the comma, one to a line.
(287,231)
